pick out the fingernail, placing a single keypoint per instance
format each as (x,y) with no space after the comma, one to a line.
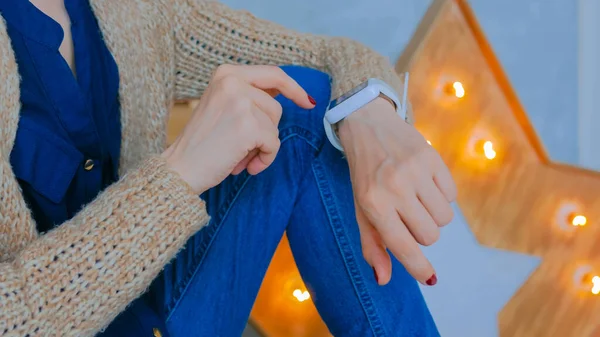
(432,280)
(312,100)
(376,277)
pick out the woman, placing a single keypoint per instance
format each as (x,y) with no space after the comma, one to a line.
(94,210)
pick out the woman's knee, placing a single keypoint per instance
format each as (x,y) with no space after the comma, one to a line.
(318,85)
(309,77)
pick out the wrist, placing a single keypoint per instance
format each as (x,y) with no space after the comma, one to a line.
(372,110)
(355,104)
(174,164)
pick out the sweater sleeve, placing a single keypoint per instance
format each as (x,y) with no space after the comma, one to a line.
(74,280)
(209,34)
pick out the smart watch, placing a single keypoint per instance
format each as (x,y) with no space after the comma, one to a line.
(355,99)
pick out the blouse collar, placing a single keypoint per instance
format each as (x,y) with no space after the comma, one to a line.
(30,21)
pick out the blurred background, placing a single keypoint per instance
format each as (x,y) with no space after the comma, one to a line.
(548,48)
(548,52)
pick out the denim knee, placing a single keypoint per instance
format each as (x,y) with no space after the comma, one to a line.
(318,85)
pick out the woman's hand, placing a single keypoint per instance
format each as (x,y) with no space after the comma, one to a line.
(234,126)
(402,190)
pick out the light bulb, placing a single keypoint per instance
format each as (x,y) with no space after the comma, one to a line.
(300,295)
(429,142)
(453,88)
(488,150)
(577,220)
(595,285)
(459,90)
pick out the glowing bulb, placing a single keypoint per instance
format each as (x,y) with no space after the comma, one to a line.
(596,285)
(459,90)
(300,295)
(488,150)
(428,142)
(577,220)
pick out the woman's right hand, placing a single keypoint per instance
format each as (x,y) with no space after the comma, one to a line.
(234,126)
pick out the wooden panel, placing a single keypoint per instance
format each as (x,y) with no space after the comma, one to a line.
(520,200)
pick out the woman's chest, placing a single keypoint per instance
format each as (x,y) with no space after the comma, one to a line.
(56,10)
(67,143)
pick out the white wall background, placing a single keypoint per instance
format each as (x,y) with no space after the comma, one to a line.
(589,83)
(537,44)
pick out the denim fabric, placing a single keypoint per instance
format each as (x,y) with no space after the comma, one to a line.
(209,289)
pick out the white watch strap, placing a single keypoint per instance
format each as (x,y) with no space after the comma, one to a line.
(371,92)
(331,135)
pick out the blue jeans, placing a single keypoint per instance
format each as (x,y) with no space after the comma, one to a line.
(209,289)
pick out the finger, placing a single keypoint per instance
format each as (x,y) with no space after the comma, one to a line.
(373,249)
(267,144)
(266,156)
(241,166)
(271,77)
(403,246)
(171,147)
(435,203)
(267,104)
(270,107)
(418,221)
(272,92)
(445,183)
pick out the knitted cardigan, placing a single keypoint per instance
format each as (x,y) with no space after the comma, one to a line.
(74,280)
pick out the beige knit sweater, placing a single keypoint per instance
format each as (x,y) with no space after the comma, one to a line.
(75,279)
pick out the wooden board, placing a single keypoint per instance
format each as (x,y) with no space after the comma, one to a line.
(521,200)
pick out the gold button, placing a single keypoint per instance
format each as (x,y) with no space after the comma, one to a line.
(156,332)
(89,165)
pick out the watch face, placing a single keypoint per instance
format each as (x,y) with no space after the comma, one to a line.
(347,95)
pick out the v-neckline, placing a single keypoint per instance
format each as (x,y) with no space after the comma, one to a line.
(21,13)
(118,40)
(68,7)
(69,14)
(73,94)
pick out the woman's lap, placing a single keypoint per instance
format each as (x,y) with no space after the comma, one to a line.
(209,289)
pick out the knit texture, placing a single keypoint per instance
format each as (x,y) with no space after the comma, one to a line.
(74,280)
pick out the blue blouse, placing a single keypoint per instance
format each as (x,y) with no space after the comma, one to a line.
(68,139)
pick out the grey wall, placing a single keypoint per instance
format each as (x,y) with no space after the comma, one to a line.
(536,42)
(589,83)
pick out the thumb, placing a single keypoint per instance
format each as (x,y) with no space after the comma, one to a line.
(241,166)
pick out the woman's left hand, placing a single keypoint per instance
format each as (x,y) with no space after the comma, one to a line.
(402,190)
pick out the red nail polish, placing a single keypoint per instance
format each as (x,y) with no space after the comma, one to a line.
(432,280)
(376,278)
(312,100)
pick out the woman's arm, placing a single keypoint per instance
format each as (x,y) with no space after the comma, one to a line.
(75,279)
(209,33)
